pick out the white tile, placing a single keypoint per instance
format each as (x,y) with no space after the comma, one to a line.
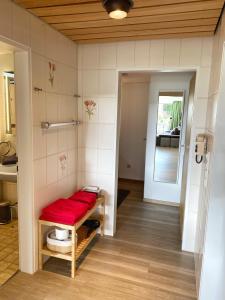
(80,109)
(39,142)
(90,56)
(80,179)
(63,186)
(105,161)
(52,141)
(206,57)
(71,133)
(52,169)
(52,42)
(90,82)
(67,79)
(62,140)
(194,198)
(172,52)
(106,136)
(107,56)
(142,53)
(191,50)
(71,106)
(6,18)
(90,135)
(106,182)
(211,112)
(87,159)
(80,56)
(52,107)
(157,53)
(62,165)
(40,173)
(203,82)
(68,47)
(200,112)
(107,82)
(91,178)
(79,83)
(72,161)
(66,108)
(107,110)
(125,54)
(21,25)
(94,116)
(38,71)
(195,172)
(39,108)
(37,35)
(55,85)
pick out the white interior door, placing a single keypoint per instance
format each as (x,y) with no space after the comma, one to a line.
(156,187)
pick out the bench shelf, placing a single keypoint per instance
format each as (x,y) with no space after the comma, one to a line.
(77,248)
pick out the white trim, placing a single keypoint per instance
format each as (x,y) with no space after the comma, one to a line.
(24,145)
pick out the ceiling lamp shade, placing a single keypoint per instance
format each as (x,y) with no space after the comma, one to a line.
(118,9)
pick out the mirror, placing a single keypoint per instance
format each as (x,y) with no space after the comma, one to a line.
(10,105)
(168,133)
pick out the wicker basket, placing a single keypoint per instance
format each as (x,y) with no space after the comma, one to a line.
(57,245)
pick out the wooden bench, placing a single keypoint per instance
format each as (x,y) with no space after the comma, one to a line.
(77,249)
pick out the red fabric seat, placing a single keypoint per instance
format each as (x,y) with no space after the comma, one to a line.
(64,211)
(85,197)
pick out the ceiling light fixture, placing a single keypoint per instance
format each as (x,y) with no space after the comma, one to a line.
(117,9)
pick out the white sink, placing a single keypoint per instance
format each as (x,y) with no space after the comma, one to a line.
(8,172)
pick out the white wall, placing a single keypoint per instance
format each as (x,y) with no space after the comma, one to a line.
(210,243)
(98,79)
(133,129)
(53,104)
(156,190)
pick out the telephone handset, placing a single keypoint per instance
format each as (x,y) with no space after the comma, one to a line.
(201,147)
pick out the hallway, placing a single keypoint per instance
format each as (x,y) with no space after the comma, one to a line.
(143,261)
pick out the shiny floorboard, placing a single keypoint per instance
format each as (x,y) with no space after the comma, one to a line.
(143,261)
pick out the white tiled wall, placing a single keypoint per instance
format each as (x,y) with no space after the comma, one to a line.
(52,104)
(97,80)
(206,249)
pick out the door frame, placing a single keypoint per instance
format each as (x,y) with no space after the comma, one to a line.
(118,119)
(24,148)
(169,192)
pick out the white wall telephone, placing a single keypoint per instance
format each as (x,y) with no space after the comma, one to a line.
(201,147)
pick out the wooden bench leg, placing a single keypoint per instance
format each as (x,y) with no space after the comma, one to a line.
(40,242)
(103,218)
(74,246)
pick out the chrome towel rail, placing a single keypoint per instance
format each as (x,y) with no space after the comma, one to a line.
(48,125)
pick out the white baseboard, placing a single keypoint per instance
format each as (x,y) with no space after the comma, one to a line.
(161,202)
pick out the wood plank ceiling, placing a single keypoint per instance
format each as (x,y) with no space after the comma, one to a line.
(86,21)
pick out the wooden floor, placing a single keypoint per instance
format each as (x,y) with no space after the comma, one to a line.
(143,261)
(166,164)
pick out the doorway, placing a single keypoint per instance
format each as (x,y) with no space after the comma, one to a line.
(9,251)
(153,134)
(16,181)
(133,130)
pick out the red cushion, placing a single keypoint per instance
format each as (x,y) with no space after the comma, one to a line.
(64,211)
(85,197)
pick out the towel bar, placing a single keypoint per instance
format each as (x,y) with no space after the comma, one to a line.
(48,125)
